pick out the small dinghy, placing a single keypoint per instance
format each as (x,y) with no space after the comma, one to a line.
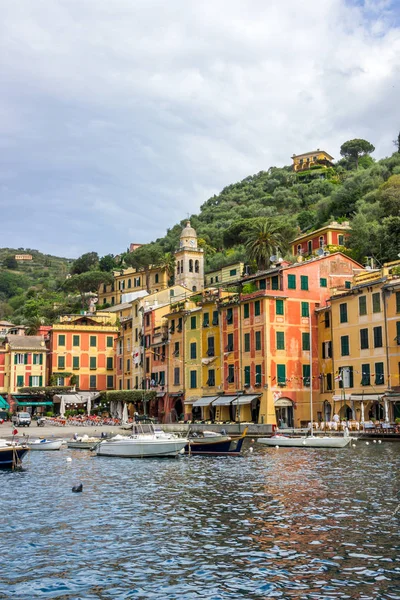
(43,444)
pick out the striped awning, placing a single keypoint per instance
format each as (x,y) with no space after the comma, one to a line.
(245,399)
(224,400)
(205,401)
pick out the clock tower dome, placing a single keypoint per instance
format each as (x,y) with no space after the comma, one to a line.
(189,268)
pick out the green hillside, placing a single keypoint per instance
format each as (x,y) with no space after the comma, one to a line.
(248,220)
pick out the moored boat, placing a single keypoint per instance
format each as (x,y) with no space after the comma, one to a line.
(212,443)
(44,444)
(143,443)
(11,454)
(83,443)
(311,441)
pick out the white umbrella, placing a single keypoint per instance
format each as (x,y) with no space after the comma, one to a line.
(362,412)
(125,413)
(112,408)
(119,410)
(62,407)
(386,405)
(89,405)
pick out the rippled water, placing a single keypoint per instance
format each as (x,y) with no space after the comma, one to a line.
(288,523)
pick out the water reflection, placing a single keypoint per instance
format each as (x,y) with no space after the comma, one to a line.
(288,523)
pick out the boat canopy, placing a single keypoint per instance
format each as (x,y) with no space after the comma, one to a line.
(224,400)
(206,401)
(245,399)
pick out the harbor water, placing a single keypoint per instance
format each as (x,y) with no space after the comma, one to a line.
(273,523)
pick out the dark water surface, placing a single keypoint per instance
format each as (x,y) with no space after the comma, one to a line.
(288,523)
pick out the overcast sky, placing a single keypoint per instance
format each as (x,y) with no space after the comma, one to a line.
(119,117)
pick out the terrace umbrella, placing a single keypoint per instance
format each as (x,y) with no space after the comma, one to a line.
(89,405)
(125,413)
(119,410)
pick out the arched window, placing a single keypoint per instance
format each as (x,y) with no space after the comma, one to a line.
(190,266)
(298,248)
(194,289)
(196,266)
(178,268)
(321,241)
(129,283)
(182,266)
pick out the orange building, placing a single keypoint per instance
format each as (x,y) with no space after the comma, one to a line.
(316,242)
(82,351)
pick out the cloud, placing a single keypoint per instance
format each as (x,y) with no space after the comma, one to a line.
(120,118)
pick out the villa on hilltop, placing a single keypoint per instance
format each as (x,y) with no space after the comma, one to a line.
(316,158)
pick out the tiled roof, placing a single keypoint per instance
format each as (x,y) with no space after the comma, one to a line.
(26,342)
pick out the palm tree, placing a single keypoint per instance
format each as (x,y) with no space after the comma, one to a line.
(264,239)
(168,262)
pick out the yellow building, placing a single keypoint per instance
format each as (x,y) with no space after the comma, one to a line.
(129,281)
(302,162)
(23,363)
(365,329)
(224,275)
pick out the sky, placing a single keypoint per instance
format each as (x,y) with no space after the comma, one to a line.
(118,118)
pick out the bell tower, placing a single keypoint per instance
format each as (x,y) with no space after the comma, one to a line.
(189,267)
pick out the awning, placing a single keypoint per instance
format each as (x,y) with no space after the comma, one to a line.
(337,398)
(4,404)
(224,400)
(206,401)
(245,399)
(366,397)
(283,402)
(160,394)
(35,403)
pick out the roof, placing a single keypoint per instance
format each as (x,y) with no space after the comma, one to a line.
(333,225)
(188,231)
(26,342)
(312,152)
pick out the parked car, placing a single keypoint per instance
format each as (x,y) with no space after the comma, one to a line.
(21,419)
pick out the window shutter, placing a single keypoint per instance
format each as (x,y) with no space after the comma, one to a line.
(15,359)
(25,359)
(40,380)
(30,380)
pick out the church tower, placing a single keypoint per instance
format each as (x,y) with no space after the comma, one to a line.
(189,267)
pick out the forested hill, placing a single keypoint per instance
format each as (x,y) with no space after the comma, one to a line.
(247,221)
(369,197)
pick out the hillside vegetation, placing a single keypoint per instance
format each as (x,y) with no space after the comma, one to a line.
(248,220)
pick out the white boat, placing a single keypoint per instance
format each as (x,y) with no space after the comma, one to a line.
(146,441)
(311,441)
(83,442)
(43,444)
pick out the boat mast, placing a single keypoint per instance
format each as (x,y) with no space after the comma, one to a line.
(311,379)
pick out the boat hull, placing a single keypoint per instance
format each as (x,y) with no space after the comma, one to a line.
(140,448)
(9,455)
(45,445)
(82,445)
(306,442)
(230,446)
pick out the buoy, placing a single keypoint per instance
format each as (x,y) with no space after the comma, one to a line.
(69,459)
(250,449)
(277,447)
(77,488)
(353,445)
(374,441)
(367,443)
(379,442)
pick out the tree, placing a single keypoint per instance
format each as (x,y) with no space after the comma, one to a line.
(353,149)
(107,263)
(262,242)
(87,284)
(390,197)
(396,142)
(10,262)
(168,262)
(144,258)
(12,284)
(86,262)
